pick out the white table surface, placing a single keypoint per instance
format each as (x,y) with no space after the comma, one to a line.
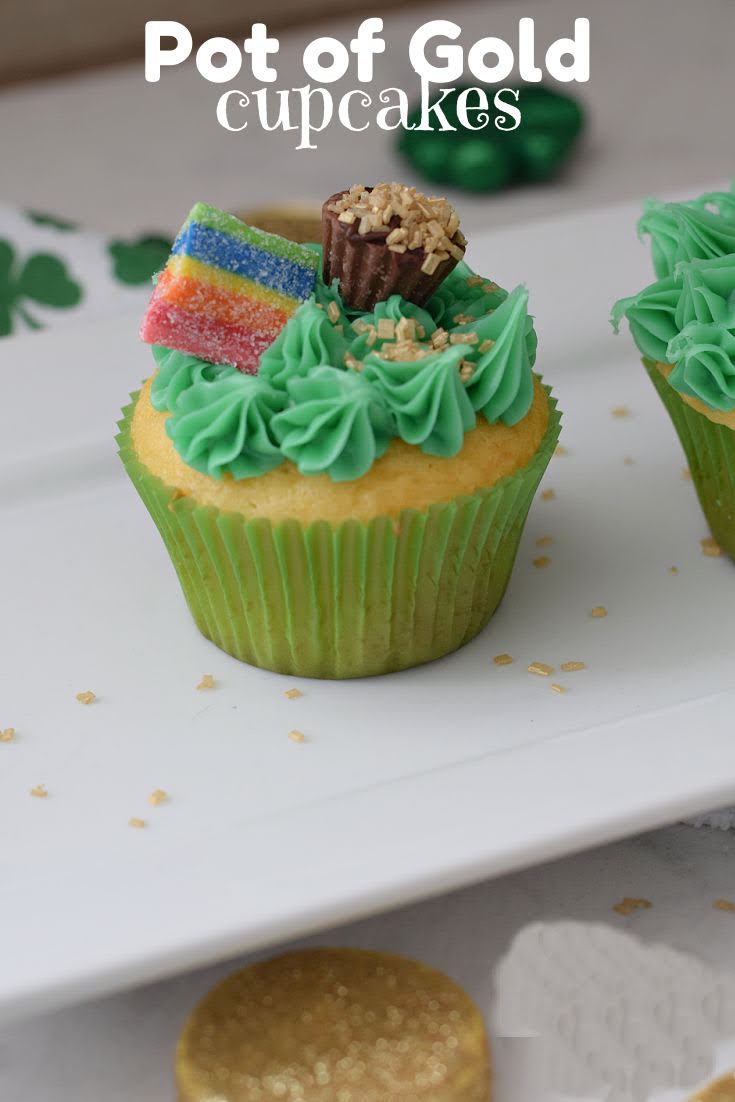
(116,154)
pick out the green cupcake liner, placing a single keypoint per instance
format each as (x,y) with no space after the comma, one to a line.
(347,600)
(710,452)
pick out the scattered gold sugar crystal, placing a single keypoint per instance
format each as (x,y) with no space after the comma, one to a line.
(87,697)
(673,570)
(560,451)
(598,612)
(464,319)
(548,495)
(474,280)
(620,411)
(628,460)
(502,659)
(7,735)
(544,541)
(463,338)
(136,823)
(158,796)
(293,694)
(39,791)
(386,329)
(557,688)
(724,905)
(686,474)
(541,561)
(627,905)
(710,547)
(572,667)
(486,345)
(207,681)
(297,736)
(466,370)
(333,312)
(541,669)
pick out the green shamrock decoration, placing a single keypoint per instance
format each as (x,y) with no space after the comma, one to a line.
(490,158)
(136,262)
(42,219)
(42,279)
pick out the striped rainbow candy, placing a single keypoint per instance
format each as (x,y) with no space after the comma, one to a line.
(227,289)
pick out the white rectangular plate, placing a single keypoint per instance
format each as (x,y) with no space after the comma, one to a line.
(407,785)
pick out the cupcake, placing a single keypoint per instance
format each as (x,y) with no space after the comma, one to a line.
(354,504)
(684,327)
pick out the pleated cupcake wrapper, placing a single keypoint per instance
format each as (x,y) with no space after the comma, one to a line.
(347,600)
(710,452)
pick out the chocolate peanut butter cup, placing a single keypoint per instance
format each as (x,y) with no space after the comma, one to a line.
(388,239)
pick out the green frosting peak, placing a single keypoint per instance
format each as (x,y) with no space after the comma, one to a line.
(704,359)
(427,398)
(309,339)
(226,425)
(337,423)
(698,230)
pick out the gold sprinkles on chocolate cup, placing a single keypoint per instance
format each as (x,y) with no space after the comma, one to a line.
(388,239)
(335,1025)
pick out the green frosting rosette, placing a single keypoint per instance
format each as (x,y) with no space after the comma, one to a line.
(336,424)
(337,385)
(700,229)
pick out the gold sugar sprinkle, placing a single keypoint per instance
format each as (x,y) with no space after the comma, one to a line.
(541,561)
(7,735)
(474,280)
(686,474)
(87,697)
(724,905)
(486,346)
(490,288)
(333,312)
(137,824)
(207,681)
(293,694)
(157,797)
(628,460)
(560,451)
(572,667)
(463,338)
(503,659)
(297,736)
(466,370)
(598,612)
(620,411)
(627,905)
(544,541)
(557,688)
(386,329)
(673,570)
(541,669)
(548,495)
(710,547)
(40,791)
(464,319)
(408,219)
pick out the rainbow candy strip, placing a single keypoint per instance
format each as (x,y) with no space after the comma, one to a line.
(227,289)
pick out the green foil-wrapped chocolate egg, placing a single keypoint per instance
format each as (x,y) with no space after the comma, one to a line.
(492,157)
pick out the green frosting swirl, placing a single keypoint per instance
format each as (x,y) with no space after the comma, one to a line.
(427,398)
(704,359)
(308,340)
(330,399)
(177,373)
(501,385)
(701,229)
(338,424)
(226,425)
